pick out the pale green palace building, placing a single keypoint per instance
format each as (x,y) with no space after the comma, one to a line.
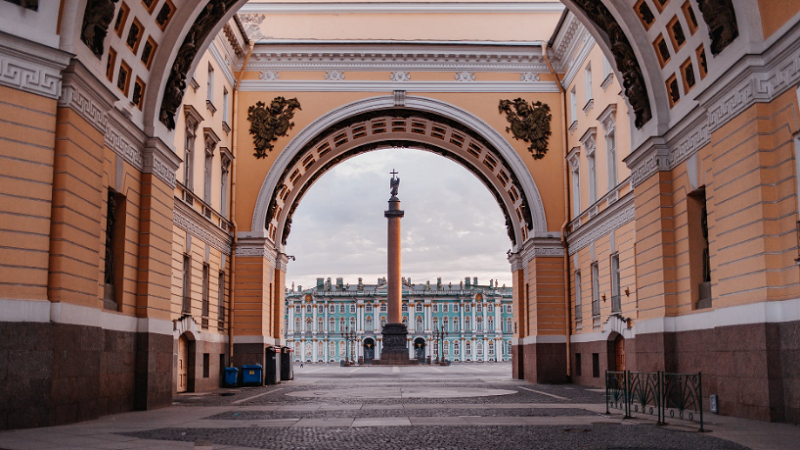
(477,319)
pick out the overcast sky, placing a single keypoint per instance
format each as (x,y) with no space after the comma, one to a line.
(452,228)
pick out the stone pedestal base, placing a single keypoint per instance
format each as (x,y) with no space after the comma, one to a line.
(395,344)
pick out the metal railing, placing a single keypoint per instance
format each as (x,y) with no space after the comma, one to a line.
(658,394)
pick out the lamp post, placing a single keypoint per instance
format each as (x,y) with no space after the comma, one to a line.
(439,335)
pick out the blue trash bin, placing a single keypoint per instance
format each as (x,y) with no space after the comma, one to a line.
(231,375)
(251,374)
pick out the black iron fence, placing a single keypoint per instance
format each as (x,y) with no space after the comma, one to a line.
(660,394)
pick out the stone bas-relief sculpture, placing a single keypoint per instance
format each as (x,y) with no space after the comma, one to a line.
(721,19)
(530,122)
(628,65)
(96,20)
(176,83)
(268,124)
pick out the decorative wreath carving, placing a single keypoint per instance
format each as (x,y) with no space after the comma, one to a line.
(530,122)
(268,124)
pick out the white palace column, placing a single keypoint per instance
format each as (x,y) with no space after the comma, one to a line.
(427,318)
(485,320)
(498,318)
(314,320)
(410,349)
(290,325)
(463,349)
(303,322)
(485,349)
(412,317)
(360,318)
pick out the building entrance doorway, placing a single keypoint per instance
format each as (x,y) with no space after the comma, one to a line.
(183,364)
(419,349)
(619,353)
(369,349)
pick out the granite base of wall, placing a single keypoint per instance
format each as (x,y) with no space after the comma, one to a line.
(544,363)
(55,374)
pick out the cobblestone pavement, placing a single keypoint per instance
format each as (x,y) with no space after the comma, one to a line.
(329,407)
(596,437)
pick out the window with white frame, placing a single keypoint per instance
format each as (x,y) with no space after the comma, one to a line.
(436,307)
(368,308)
(352,308)
(225,99)
(320,324)
(383,307)
(418,308)
(331,325)
(479,348)
(445,308)
(595,290)
(592,163)
(573,106)
(404,308)
(491,348)
(490,308)
(455,307)
(578,310)
(468,348)
(467,324)
(308,309)
(320,309)
(341,308)
(611,151)
(210,85)
(616,304)
(456,348)
(455,324)
(588,83)
(332,308)
(297,324)
(575,165)
(297,309)
(368,322)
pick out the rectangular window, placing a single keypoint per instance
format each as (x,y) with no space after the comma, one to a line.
(595,290)
(341,309)
(418,308)
(352,309)
(592,177)
(209,163)
(596,365)
(404,308)
(455,307)
(445,308)
(205,295)
(206,365)
(223,188)
(578,364)
(611,149)
(115,250)
(578,308)
(225,105)
(332,309)
(210,85)
(188,163)
(588,82)
(616,303)
(187,284)
(221,300)
(435,308)
(297,309)
(320,309)
(606,68)
(383,307)
(576,190)
(573,105)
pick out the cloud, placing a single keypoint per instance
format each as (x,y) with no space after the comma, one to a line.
(453,227)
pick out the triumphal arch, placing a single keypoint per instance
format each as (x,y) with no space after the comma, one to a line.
(643,154)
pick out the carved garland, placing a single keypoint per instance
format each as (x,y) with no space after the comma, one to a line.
(530,122)
(625,58)
(176,83)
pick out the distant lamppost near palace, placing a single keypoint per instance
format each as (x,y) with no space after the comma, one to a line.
(440,335)
(349,336)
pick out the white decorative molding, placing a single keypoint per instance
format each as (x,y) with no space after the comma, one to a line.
(566,35)
(516,262)
(465,77)
(223,64)
(573,126)
(607,81)
(31,67)
(608,118)
(399,98)
(268,75)
(571,66)
(404,8)
(400,76)
(334,75)
(588,106)
(87,96)
(186,218)
(125,139)
(388,86)
(160,161)
(529,77)
(558,339)
(611,218)
(589,140)
(258,247)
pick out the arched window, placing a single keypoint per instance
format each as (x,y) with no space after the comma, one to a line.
(383,321)
(352,323)
(446,324)
(331,325)
(491,348)
(342,349)
(297,324)
(320,324)
(490,308)
(491,324)
(332,308)
(308,309)
(320,349)
(446,348)
(455,307)
(479,324)
(455,324)
(368,322)
(436,350)
(468,348)
(467,324)
(508,347)
(479,308)
(341,325)
(435,323)
(332,348)
(467,308)
(383,307)
(297,309)
(479,348)
(418,308)
(308,325)
(418,325)
(320,309)
(405,320)
(368,308)
(508,325)
(456,348)
(404,308)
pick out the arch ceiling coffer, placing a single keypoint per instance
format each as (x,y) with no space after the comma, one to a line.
(398,128)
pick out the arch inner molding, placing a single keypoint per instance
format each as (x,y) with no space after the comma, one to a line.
(409,122)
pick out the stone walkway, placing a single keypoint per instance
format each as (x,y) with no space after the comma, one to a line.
(459,407)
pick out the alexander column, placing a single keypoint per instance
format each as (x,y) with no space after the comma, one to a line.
(395,348)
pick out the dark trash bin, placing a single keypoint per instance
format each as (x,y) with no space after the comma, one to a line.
(287,368)
(272,360)
(251,374)
(231,376)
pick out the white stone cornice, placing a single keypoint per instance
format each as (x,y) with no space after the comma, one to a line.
(608,118)
(611,218)
(566,35)
(258,247)
(404,8)
(186,218)
(125,139)
(86,95)
(161,161)
(392,56)
(571,66)
(573,157)
(31,67)
(223,64)
(389,86)
(589,140)
(651,157)
(541,247)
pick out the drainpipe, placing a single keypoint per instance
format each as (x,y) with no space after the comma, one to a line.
(233,202)
(568,312)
